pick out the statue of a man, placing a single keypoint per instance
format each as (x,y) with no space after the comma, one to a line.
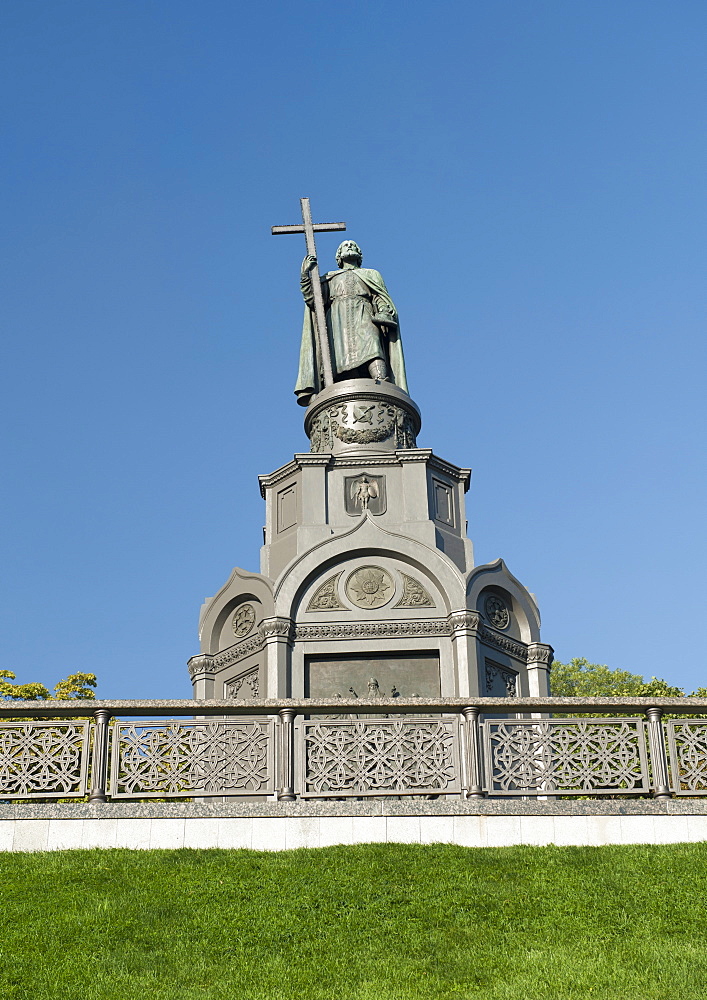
(362,323)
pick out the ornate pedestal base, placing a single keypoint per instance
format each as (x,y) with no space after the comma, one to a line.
(362,416)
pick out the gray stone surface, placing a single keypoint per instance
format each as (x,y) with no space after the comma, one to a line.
(380,807)
(568,707)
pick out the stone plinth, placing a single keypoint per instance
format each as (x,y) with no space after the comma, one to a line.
(362,416)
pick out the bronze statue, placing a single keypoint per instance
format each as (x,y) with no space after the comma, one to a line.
(362,326)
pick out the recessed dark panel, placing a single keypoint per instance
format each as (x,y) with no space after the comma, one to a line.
(410,674)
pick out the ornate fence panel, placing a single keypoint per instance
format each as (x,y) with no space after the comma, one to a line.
(47,760)
(565,757)
(687,746)
(404,756)
(184,758)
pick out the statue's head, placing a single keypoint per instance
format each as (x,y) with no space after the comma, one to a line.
(349,251)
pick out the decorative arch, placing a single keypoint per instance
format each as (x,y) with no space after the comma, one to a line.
(368,539)
(241,587)
(496,576)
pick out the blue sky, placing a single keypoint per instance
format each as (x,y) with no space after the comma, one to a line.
(529,178)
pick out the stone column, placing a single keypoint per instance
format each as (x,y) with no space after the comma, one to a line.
(539,659)
(464,626)
(99,761)
(278,634)
(201,671)
(473,753)
(659,756)
(287,755)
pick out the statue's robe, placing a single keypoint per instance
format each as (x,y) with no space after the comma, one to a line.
(352,297)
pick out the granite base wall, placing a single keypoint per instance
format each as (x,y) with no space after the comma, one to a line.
(276,826)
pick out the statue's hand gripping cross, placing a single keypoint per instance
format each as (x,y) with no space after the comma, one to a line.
(309,229)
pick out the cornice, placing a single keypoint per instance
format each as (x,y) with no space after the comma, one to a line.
(234,654)
(273,478)
(493,638)
(377,630)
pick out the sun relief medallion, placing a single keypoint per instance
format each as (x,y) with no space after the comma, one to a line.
(370,587)
(497,612)
(243,620)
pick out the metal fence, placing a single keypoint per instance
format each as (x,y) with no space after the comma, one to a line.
(288,749)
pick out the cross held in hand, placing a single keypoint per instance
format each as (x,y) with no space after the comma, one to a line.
(309,229)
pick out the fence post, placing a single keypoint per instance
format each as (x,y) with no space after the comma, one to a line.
(473,749)
(287,755)
(99,761)
(659,756)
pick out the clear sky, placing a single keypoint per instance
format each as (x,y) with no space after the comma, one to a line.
(529,176)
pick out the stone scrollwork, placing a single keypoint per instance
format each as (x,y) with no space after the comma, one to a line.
(517,649)
(508,678)
(414,594)
(370,587)
(326,597)
(238,652)
(373,630)
(248,682)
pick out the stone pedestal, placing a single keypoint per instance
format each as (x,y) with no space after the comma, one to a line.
(367,579)
(362,416)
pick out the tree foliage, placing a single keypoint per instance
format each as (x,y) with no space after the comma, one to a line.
(74,686)
(581,679)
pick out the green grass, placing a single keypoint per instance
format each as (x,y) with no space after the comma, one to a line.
(388,922)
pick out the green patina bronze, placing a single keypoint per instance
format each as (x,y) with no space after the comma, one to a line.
(362,325)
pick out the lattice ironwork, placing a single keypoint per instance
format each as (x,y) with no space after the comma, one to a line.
(47,760)
(687,746)
(178,758)
(379,757)
(565,757)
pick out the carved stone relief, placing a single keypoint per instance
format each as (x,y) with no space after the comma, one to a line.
(245,686)
(497,611)
(364,492)
(495,673)
(364,422)
(243,620)
(326,597)
(370,587)
(414,594)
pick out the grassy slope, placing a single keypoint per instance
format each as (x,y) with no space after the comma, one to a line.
(372,921)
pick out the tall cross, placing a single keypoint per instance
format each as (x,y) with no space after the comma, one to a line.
(309,229)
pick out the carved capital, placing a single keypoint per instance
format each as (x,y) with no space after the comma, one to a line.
(539,652)
(277,628)
(464,621)
(202,663)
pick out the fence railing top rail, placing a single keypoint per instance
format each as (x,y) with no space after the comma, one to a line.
(340,706)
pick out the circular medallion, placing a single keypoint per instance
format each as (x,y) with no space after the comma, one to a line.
(243,620)
(497,612)
(369,587)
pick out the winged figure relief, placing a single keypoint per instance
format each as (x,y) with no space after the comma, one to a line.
(363,491)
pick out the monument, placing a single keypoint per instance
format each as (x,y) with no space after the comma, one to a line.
(367,580)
